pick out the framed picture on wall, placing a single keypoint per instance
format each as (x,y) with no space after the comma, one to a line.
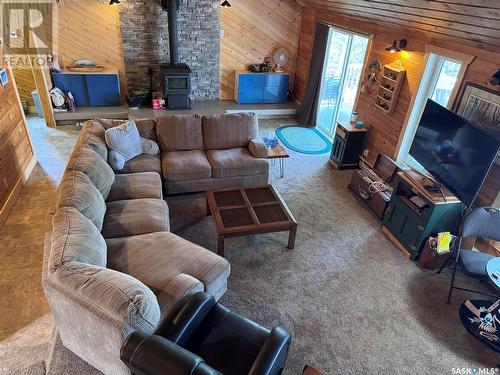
(481,106)
(4,78)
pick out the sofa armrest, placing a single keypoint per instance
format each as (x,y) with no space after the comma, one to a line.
(111,296)
(188,319)
(257,148)
(154,355)
(272,356)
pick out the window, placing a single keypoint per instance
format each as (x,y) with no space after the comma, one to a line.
(442,76)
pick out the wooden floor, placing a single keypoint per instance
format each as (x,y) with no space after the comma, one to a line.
(208,107)
(21,247)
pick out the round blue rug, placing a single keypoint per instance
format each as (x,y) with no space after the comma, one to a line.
(304,140)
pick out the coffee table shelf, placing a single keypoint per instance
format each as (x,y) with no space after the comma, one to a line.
(240,212)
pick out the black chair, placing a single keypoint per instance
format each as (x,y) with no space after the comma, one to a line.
(205,338)
(483,222)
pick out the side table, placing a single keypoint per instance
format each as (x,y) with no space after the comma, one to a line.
(492,269)
(280,154)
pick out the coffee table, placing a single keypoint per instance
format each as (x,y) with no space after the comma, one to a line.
(243,212)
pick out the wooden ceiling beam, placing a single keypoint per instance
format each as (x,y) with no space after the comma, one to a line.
(465,19)
(421,24)
(489,35)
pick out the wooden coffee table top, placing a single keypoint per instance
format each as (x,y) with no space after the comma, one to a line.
(277,152)
(249,211)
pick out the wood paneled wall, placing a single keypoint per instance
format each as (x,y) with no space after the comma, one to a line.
(25,84)
(385,130)
(90,29)
(254,29)
(16,153)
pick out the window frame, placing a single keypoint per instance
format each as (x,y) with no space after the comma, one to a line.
(432,66)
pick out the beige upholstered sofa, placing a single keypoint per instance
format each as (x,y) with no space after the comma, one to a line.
(112,266)
(203,153)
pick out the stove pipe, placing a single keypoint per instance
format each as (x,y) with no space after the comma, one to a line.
(171,7)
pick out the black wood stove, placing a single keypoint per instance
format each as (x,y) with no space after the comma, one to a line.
(176,76)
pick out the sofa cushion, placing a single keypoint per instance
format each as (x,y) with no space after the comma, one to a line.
(185,165)
(229,131)
(135,216)
(142,163)
(95,143)
(236,162)
(113,297)
(136,186)
(180,132)
(95,128)
(146,127)
(75,238)
(77,191)
(88,161)
(159,259)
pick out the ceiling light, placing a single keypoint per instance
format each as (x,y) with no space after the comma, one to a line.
(225,4)
(395,47)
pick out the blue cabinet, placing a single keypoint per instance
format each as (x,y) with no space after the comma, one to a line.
(90,89)
(253,88)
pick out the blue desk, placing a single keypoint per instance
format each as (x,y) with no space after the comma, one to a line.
(261,88)
(90,89)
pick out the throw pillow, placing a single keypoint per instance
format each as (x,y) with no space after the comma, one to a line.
(125,143)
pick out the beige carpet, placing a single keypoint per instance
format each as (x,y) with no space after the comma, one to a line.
(354,303)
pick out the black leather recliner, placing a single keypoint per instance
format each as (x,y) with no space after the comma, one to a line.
(205,338)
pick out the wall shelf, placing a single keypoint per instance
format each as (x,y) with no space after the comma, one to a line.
(393,76)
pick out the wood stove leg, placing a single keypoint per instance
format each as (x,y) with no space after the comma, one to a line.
(220,245)
(291,237)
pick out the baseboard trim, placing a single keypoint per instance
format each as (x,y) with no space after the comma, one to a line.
(11,200)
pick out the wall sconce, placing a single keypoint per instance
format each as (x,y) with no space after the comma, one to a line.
(395,47)
(114,2)
(495,79)
(225,4)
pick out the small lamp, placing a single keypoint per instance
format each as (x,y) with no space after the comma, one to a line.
(225,4)
(395,47)
(114,2)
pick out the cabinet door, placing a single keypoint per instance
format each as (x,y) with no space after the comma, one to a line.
(337,149)
(404,224)
(74,83)
(104,90)
(278,94)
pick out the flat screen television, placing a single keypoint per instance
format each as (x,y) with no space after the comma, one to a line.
(456,153)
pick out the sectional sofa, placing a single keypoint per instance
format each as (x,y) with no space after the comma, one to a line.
(112,265)
(201,153)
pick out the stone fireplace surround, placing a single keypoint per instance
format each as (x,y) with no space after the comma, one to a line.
(144,27)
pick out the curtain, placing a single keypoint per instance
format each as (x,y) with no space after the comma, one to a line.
(307,112)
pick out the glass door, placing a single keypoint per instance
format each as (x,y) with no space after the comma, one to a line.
(342,70)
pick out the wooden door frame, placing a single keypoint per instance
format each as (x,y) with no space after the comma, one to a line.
(43,84)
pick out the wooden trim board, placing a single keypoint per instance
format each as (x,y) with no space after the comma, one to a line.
(11,200)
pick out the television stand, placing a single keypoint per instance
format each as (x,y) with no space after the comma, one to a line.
(431,185)
(415,213)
